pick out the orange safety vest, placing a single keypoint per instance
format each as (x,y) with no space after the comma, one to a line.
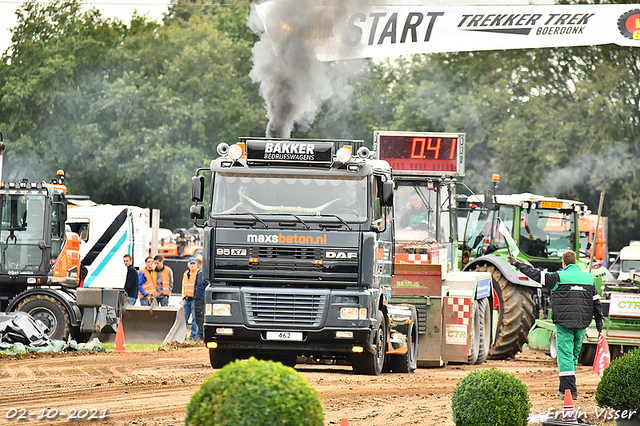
(150,285)
(166,280)
(188,283)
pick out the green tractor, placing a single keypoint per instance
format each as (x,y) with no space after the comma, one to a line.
(543,229)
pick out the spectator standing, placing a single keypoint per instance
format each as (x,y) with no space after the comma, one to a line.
(198,296)
(188,302)
(131,284)
(164,281)
(147,282)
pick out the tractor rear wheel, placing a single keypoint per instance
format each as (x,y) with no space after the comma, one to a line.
(516,314)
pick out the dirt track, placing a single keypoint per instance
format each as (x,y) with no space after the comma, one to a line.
(153,388)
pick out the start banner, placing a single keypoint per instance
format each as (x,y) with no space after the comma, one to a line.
(354,30)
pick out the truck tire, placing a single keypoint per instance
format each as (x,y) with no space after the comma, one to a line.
(587,355)
(50,312)
(372,363)
(484,329)
(407,363)
(221,357)
(474,341)
(516,314)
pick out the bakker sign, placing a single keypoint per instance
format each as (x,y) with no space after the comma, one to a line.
(378,31)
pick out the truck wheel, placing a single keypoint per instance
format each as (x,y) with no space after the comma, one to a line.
(290,360)
(50,312)
(516,308)
(408,362)
(221,357)
(474,342)
(587,355)
(372,363)
(484,329)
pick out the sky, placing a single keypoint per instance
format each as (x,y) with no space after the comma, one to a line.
(154,9)
(122,9)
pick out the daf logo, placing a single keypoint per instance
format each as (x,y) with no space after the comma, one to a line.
(341,255)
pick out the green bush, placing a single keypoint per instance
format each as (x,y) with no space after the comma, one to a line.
(255,393)
(618,387)
(490,398)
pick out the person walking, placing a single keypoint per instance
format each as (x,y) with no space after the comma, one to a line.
(188,288)
(198,296)
(164,281)
(131,284)
(147,282)
(574,302)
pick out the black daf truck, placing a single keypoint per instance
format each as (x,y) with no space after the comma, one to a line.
(298,255)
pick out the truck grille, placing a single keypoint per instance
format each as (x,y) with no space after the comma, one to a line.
(280,309)
(282,265)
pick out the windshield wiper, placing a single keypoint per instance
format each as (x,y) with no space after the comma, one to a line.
(340,219)
(301,221)
(252,214)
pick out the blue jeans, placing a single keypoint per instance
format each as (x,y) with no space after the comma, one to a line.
(190,311)
(132,300)
(163,301)
(144,301)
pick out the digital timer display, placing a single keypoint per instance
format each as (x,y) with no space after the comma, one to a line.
(422,153)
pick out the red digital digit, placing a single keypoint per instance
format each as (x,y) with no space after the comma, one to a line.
(422,142)
(434,148)
(453,148)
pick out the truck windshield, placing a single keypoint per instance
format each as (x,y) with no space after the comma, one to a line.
(415,212)
(21,228)
(546,232)
(291,194)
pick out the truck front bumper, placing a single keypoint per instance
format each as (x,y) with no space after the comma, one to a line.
(312,343)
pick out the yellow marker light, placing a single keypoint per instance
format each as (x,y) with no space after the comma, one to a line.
(318,262)
(253,260)
(212,345)
(357,349)
(221,309)
(363,313)
(495,177)
(344,334)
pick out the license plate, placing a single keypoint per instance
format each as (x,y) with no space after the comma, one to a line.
(284,335)
(550,204)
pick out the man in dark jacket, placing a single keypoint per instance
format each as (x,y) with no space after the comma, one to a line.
(198,299)
(131,284)
(574,301)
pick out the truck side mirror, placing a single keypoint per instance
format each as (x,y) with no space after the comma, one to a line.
(387,194)
(62,212)
(197,188)
(196,212)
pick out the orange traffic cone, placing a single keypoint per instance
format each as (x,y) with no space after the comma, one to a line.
(344,422)
(569,412)
(120,345)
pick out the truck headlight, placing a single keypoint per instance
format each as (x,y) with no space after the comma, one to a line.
(353,313)
(220,309)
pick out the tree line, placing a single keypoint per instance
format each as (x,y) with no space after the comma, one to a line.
(130,111)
